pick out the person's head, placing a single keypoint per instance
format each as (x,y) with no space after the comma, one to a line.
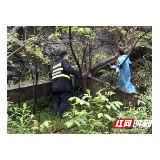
(119,52)
(64,55)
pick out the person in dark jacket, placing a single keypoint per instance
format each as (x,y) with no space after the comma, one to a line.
(61,83)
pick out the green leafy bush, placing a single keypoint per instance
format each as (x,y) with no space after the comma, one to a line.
(143,112)
(96,113)
(18,119)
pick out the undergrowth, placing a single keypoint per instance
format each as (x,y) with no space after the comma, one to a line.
(91,114)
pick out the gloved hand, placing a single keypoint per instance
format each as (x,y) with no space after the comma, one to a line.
(117,69)
(50,75)
(111,67)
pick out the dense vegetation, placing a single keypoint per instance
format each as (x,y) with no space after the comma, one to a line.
(88,113)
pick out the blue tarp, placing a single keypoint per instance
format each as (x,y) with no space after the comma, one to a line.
(124,76)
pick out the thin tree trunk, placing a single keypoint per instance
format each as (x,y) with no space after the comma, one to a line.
(90,62)
(19,85)
(35,90)
(70,42)
(84,51)
(26,34)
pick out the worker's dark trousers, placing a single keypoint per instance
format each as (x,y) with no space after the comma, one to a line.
(60,102)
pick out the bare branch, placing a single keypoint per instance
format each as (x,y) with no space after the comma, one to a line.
(27,43)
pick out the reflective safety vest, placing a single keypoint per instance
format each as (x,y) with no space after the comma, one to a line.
(58,71)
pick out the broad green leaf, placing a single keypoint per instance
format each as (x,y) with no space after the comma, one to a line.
(122,31)
(91,112)
(113,106)
(100,115)
(113,119)
(70,99)
(87,103)
(110,93)
(69,123)
(44,124)
(81,102)
(108,106)
(50,36)
(76,122)
(40,54)
(85,118)
(99,105)
(24,105)
(104,98)
(107,116)
(78,100)
(28,111)
(32,116)
(93,132)
(117,104)
(88,91)
(82,131)
(82,121)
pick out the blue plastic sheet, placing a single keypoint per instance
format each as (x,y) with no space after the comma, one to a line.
(124,76)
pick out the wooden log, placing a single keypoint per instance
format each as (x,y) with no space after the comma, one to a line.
(103,65)
(112,60)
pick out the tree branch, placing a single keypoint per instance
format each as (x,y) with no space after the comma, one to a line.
(90,62)
(70,43)
(132,48)
(27,43)
(65,128)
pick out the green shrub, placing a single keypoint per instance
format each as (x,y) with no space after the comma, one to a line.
(18,119)
(96,114)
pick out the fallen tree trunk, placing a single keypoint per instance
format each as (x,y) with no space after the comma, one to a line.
(112,60)
(103,65)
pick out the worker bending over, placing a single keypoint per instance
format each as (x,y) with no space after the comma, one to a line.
(61,84)
(124,74)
